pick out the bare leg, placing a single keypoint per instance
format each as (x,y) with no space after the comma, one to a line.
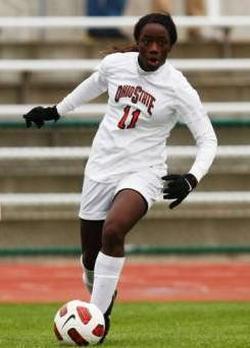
(128,207)
(91,241)
(161,5)
(194,8)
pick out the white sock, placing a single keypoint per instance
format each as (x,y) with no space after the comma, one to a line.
(87,277)
(106,276)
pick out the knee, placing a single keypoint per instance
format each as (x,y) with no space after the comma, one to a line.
(113,237)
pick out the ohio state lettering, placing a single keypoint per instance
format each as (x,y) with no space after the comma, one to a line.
(136,94)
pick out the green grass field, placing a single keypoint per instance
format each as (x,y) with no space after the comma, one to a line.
(170,325)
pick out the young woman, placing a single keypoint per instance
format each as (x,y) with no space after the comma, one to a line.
(126,169)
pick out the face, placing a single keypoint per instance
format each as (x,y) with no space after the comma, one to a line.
(154,46)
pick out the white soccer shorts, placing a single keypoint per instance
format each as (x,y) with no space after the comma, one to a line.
(96,198)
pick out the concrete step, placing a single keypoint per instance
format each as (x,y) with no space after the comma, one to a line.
(89,48)
(61,169)
(77,134)
(203,219)
(44,87)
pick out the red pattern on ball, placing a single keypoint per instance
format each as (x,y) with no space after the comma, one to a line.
(99,330)
(84,314)
(63,311)
(77,338)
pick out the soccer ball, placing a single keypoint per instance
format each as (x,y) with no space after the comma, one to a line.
(79,323)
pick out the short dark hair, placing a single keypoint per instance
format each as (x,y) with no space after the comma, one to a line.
(164,19)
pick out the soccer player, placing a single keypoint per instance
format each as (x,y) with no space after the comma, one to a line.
(126,169)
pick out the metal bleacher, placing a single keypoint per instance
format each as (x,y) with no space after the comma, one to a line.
(29,65)
(40,184)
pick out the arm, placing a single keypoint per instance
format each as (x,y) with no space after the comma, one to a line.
(199,124)
(206,143)
(192,113)
(90,88)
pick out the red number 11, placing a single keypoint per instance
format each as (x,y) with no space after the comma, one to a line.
(135,115)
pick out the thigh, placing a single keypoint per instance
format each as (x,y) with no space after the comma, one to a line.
(128,207)
(135,194)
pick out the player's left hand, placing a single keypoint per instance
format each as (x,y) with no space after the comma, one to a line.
(178,187)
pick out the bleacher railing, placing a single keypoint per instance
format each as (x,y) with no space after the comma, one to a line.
(234,64)
(94,111)
(119,21)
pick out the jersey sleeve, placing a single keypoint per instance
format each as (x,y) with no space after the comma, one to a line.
(191,112)
(89,89)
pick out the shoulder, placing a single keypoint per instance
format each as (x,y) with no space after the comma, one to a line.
(117,63)
(119,58)
(177,76)
(180,83)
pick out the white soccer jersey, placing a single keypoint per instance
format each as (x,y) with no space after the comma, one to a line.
(142,109)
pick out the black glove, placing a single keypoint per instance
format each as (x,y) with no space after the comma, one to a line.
(39,115)
(178,187)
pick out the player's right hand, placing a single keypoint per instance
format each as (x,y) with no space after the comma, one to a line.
(39,115)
